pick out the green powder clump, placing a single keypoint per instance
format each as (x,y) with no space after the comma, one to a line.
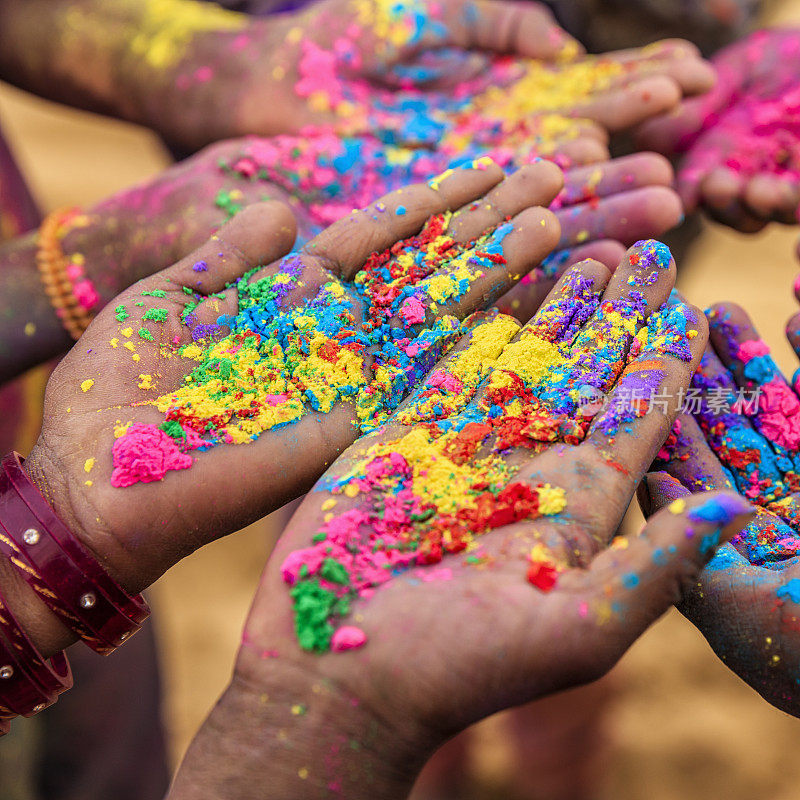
(145,334)
(313,607)
(156,314)
(121,313)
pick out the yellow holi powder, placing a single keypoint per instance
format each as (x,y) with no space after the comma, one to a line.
(87,384)
(127,333)
(145,381)
(324,378)
(88,483)
(120,429)
(391,21)
(552,499)
(542,88)
(328,504)
(437,479)
(167,27)
(88,464)
(470,367)
(114,342)
(30,329)
(530,357)
(677,506)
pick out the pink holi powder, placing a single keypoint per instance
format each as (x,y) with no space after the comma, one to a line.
(445,380)
(412,310)
(780,414)
(145,454)
(752,349)
(348,637)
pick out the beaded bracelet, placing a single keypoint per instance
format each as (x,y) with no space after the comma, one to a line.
(28,682)
(65,576)
(71,293)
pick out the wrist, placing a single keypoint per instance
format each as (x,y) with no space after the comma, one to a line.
(284,732)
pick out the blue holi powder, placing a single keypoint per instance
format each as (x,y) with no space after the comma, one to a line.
(718,510)
(630,581)
(659,557)
(725,558)
(401,211)
(654,253)
(790,590)
(761,369)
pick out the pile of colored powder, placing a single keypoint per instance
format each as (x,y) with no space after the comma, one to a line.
(278,362)
(436,489)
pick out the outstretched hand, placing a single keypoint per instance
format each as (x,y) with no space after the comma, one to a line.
(411,554)
(295,358)
(741,139)
(743,432)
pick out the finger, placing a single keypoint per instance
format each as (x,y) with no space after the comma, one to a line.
(690,72)
(347,244)
(481,274)
(676,131)
(641,283)
(523,28)
(584,184)
(638,578)
(770,197)
(628,433)
(793,335)
(627,217)
(259,234)
(532,185)
(574,150)
(722,192)
(618,109)
(523,300)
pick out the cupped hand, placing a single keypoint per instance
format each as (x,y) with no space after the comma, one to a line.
(409,558)
(742,430)
(275,375)
(740,140)
(412,72)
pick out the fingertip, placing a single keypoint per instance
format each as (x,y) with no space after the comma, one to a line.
(260,229)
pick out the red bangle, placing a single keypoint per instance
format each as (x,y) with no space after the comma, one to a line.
(59,569)
(28,682)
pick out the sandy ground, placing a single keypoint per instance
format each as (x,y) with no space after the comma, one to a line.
(682,725)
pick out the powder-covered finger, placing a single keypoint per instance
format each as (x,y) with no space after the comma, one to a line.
(773,405)
(452,383)
(347,244)
(633,424)
(597,356)
(618,109)
(532,185)
(686,456)
(524,300)
(627,217)
(576,150)
(637,578)
(584,184)
(257,235)
(482,273)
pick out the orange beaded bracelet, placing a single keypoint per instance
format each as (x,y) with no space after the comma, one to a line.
(71,293)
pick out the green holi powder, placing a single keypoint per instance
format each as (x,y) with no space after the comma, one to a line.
(156,314)
(155,293)
(121,313)
(145,334)
(313,607)
(224,201)
(173,428)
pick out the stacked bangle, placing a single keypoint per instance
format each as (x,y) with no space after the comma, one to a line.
(65,576)
(28,682)
(71,293)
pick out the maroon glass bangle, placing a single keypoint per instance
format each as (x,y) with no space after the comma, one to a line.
(28,682)
(69,580)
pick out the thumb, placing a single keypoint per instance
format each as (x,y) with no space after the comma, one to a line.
(640,577)
(256,236)
(658,489)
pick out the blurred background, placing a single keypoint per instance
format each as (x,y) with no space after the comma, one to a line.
(675,722)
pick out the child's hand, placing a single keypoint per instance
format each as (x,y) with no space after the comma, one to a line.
(411,554)
(310,349)
(744,432)
(742,139)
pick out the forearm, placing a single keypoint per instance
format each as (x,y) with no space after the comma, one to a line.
(295,737)
(101,55)
(30,331)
